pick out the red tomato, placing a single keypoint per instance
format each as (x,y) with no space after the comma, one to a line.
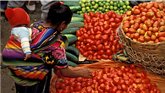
(91,14)
(111,19)
(153,37)
(161,39)
(105,37)
(111,38)
(113,48)
(97,36)
(136,11)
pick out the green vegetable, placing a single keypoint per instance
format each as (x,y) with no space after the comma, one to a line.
(77,19)
(73,50)
(71,38)
(71,57)
(70,31)
(70,63)
(75,8)
(71,3)
(76,24)
(77,15)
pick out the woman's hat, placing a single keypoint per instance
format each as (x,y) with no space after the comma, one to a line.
(17,16)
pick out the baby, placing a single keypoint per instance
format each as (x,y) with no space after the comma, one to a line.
(19,21)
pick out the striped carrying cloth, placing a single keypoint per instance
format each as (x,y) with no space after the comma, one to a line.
(48,51)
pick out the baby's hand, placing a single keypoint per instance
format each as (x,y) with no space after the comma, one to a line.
(27,56)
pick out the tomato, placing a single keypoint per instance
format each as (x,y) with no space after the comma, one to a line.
(161,39)
(141,32)
(105,37)
(97,36)
(136,11)
(147,38)
(117,20)
(161,29)
(126,25)
(114,89)
(150,14)
(89,89)
(106,26)
(156,24)
(153,37)
(87,17)
(128,34)
(113,48)
(77,88)
(111,38)
(162,22)
(91,14)
(111,19)
(161,34)
(106,17)
(136,35)
(143,18)
(125,30)
(132,30)
(136,26)
(141,39)
(128,13)
(115,42)
(158,14)
(161,6)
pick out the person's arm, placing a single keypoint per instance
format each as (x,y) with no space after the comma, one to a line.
(67,72)
(62,65)
(23,35)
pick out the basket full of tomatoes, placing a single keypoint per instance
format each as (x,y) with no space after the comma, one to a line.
(143,33)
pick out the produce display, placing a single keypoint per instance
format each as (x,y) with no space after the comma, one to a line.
(124,79)
(93,34)
(145,23)
(119,6)
(98,38)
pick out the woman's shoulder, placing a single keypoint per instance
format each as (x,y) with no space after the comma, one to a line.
(38,25)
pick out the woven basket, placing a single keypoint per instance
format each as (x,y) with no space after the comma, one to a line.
(150,56)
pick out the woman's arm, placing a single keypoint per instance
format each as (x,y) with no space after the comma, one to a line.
(67,72)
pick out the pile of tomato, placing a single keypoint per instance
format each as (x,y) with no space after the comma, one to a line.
(124,79)
(98,38)
(145,22)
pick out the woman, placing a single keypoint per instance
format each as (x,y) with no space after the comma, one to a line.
(33,75)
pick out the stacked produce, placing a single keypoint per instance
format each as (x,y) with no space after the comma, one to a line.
(109,80)
(119,6)
(98,38)
(72,53)
(145,23)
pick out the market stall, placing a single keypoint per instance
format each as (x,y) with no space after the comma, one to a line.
(127,42)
